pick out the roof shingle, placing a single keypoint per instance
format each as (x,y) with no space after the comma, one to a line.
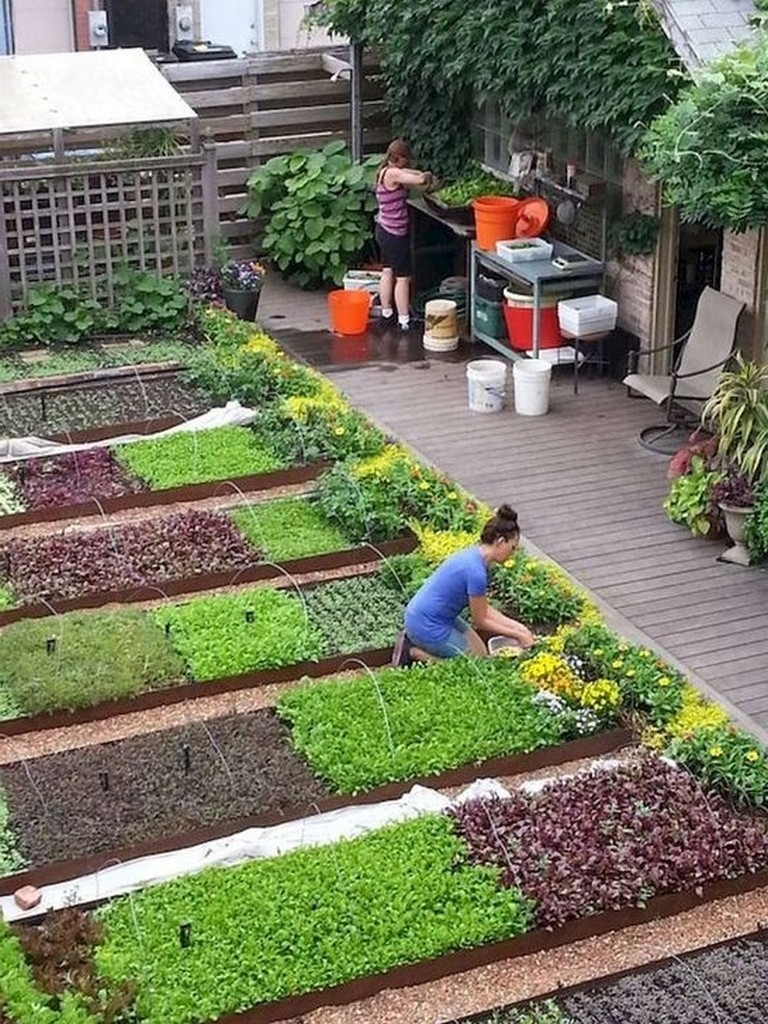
(701,30)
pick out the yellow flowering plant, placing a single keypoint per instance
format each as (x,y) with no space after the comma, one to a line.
(726,759)
(535,592)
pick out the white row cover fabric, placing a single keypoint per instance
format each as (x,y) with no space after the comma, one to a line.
(230,415)
(252,844)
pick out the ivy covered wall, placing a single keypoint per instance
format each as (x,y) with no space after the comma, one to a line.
(599,64)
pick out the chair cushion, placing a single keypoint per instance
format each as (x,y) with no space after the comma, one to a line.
(649,385)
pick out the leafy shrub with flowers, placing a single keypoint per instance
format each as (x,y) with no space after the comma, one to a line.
(726,759)
(696,713)
(307,428)
(375,498)
(535,591)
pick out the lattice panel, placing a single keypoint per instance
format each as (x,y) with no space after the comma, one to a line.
(79,225)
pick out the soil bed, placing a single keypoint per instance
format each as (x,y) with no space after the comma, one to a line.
(156,785)
(79,408)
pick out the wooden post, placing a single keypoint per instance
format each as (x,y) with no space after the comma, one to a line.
(356,102)
(6,309)
(210,199)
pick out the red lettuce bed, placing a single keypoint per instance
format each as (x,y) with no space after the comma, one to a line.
(610,839)
(146,553)
(72,478)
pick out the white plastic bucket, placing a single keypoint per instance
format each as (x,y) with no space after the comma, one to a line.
(432,344)
(486,379)
(531,379)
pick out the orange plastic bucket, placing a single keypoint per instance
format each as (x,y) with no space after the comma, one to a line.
(494,220)
(349,311)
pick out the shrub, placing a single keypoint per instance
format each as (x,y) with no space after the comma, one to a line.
(535,592)
(392,724)
(95,657)
(228,634)
(726,759)
(222,453)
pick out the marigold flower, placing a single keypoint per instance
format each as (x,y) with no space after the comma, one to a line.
(752,755)
(715,751)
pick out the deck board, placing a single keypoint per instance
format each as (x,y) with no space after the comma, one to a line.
(590,498)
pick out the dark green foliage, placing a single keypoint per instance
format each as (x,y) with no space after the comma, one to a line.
(598,66)
(355,614)
(708,150)
(393,724)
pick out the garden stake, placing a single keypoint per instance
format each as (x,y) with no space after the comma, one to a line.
(167,629)
(43,410)
(185,934)
(187,758)
(250,615)
(104,780)
(50,645)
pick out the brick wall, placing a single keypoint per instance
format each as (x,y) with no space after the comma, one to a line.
(630,281)
(739,278)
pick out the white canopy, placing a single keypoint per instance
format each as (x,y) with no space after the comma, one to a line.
(42,92)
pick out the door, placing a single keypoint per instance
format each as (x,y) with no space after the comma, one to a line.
(141,23)
(238,25)
(699,261)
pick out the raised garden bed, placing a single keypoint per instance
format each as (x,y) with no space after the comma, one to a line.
(403,905)
(80,408)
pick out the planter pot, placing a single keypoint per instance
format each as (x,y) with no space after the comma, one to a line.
(242,303)
(735,524)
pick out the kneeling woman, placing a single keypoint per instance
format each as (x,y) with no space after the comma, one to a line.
(432,622)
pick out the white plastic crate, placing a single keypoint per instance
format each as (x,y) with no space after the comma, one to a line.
(520,250)
(587,314)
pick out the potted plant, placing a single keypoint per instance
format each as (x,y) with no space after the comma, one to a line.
(734,495)
(738,413)
(692,471)
(241,282)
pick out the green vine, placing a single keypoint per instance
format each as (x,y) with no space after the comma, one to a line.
(606,67)
(709,151)
(635,234)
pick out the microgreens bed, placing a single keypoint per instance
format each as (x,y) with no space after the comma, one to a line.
(354,614)
(303,921)
(71,478)
(140,554)
(389,725)
(289,528)
(193,457)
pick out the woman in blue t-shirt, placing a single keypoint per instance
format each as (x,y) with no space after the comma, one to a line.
(433,626)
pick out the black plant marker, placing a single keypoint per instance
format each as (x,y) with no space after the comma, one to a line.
(185,934)
(50,645)
(187,758)
(167,629)
(104,780)
(43,409)
(250,615)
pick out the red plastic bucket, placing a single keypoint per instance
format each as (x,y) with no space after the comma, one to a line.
(494,220)
(349,311)
(518,314)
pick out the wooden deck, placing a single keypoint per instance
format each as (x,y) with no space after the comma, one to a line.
(589,497)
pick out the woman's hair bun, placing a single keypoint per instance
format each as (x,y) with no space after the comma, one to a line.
(507,512)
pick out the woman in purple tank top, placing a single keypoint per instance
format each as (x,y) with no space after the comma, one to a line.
(393,180)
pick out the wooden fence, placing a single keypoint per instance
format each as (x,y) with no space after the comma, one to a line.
(76,223)
(268,104)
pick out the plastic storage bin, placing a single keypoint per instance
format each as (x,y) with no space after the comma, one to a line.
(362,280)
(489,318)
(491,288)
(523,250)
(587,314)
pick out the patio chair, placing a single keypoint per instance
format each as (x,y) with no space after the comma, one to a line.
(706,348)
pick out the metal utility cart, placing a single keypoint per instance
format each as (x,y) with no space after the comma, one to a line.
(543,279)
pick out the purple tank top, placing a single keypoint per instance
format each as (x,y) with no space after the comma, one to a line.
(393,211)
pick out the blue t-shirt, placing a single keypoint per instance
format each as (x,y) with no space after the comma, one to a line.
(439,601)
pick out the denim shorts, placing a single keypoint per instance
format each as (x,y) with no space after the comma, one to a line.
(454,645)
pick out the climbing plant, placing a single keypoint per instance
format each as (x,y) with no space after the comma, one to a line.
(710,149)
(596,64)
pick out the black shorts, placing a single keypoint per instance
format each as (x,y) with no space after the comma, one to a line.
(395,252)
